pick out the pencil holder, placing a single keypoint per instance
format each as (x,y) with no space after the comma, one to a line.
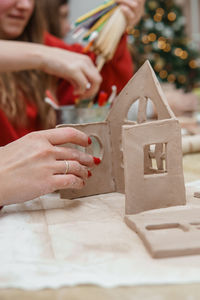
(71,114)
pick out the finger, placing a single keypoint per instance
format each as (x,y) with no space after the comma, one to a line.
(92,91)
(136,7)
(71,167)
(64,153)
(92,74)
(129,14)
(80,83)
(88,75)
(93,78)
(130,3)
(67,182)
(59,136)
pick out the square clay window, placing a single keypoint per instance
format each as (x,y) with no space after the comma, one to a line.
(155,159)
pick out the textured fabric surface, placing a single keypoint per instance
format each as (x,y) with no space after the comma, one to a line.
(50,242)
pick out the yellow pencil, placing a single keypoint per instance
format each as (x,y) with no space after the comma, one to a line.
(94,11)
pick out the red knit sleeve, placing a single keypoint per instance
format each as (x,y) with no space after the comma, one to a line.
(52,41)
(65,89)
(117,72)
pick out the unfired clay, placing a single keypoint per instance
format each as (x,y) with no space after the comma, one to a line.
(197,194)
(168,233)
(109,175)
(150,186)
(154,179)
(102,180)
(148,167)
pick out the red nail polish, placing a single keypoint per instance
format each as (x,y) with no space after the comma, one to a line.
(96,160)
(89,174)
(89,141)
(1,207)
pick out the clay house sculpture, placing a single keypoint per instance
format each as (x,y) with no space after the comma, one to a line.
(143,159)
(164,133)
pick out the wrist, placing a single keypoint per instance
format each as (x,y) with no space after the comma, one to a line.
(39,57)
(3,194)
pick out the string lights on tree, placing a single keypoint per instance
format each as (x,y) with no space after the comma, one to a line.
(161,38)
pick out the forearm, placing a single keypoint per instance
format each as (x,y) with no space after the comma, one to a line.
(76,68)
(19,56)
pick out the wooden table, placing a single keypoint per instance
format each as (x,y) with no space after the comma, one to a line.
(167,292)
(191,164)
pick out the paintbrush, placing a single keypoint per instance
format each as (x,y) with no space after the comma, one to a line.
(108,39)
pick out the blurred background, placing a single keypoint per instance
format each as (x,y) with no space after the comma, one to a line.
(78,8)
(168,35)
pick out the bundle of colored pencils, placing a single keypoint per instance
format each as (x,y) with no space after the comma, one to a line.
(102,28)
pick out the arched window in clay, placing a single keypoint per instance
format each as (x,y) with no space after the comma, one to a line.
(142,110)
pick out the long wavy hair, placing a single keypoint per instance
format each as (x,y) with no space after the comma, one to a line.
(51,10)
(18,87)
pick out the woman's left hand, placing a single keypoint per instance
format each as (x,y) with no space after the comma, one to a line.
(133,10)
(37,164)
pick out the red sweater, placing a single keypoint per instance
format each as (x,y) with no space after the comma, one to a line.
(117,72)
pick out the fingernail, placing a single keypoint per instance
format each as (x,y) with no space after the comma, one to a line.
(89,141)
(89,174)
(88,86)
(96,160)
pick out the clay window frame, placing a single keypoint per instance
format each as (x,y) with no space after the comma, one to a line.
(155,159)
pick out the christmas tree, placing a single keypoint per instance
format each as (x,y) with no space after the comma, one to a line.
(161,38)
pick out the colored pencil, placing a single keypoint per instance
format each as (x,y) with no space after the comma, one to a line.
(94,11)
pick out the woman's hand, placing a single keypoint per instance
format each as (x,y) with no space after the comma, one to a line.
(37,164)
(133,10)
(78,69)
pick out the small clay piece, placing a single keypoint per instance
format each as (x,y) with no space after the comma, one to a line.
(197,194)
(168,233)
(101,180)
(143,86)
(153,166)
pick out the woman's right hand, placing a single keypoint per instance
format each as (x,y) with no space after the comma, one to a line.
(75,68)
(133,10)
(36,164)
(78,69)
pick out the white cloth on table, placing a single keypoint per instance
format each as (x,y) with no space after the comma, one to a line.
(50,242)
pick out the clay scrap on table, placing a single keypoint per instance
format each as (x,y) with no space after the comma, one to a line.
(168,233)
(197,194)
(143,159)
